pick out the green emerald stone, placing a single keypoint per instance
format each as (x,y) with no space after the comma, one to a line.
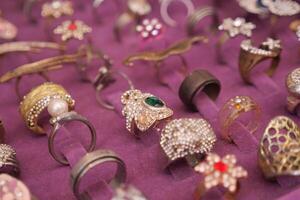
(154,101)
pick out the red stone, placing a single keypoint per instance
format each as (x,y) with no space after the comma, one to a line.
(220,166)
(72,27)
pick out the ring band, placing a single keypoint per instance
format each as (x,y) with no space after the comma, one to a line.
(197,81)
(279,148)
(91,160)
(8,160)
(233,109)
(57,123)
(198,15)
(250,56)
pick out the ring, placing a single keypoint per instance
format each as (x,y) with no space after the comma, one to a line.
(143,110)
(57,122)
(253,6)
(293,85)
(48,95)
(187,138)
(164,4)
(279,148)
(282,7)
(198,15)
(195,82)
(295,26)
(233,109)
(56,9)
(220,171)
(12,188)
(135,10)
(250,56)
(8,160)
(91,160)
(72,29)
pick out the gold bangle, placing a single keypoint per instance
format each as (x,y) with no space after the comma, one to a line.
(34,46)
(38,99)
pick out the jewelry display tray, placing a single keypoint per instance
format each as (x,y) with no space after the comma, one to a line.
(144,159)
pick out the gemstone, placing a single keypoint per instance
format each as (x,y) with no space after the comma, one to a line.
(154,101)
(238,106)
(72,27)
(220,166)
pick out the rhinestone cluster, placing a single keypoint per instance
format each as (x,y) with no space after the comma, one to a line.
(187,136)
(237,26)
(13,189)
(266,48)
(140,113)
(282,7)
(219,171)
(293,82)
(240,103)
(57,8)
(7,153)
(150,28)
(35,111)
(128,192)
(72,29)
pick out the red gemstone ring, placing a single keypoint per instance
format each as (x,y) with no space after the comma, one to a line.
(219,171)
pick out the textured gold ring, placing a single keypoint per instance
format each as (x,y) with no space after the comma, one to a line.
(40,98)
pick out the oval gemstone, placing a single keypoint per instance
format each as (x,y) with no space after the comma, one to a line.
(154,101)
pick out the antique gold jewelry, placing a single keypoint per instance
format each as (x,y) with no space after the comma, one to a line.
(187,138)
(279,150)
(200,14)
(232,111)
(57,8)
(48,95)
(57,122)
(135,10)
(8,160)
(72,29)
(8,30)
(196,82)
(13,189)
(30,46)
(143,111)
(164,4)
(220,171)
(293,87)
(295,26)
(250,56)
(91,160)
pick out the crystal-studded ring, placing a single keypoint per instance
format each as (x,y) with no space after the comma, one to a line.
(232,28)
(233,109)
(220,171)
(188,138)
(279,148)
(143,111)
(47,95)
(12,188)
(8,160)
(250,56)
(293,87)
(282,7)
(57,122)
(91,160)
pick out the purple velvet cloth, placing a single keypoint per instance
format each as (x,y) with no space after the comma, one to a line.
(144,158)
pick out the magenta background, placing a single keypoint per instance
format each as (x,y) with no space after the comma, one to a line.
(144,159)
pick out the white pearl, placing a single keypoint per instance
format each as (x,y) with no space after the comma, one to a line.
(57,107)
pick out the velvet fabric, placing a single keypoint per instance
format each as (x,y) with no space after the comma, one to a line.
(144,158)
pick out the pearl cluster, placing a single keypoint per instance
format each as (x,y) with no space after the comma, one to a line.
(187,136)
(57,8)
(13,189)
(227,175)
(128,192)
(270,44)
(56,105)
(137,111)
(149,28)
(237,26)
